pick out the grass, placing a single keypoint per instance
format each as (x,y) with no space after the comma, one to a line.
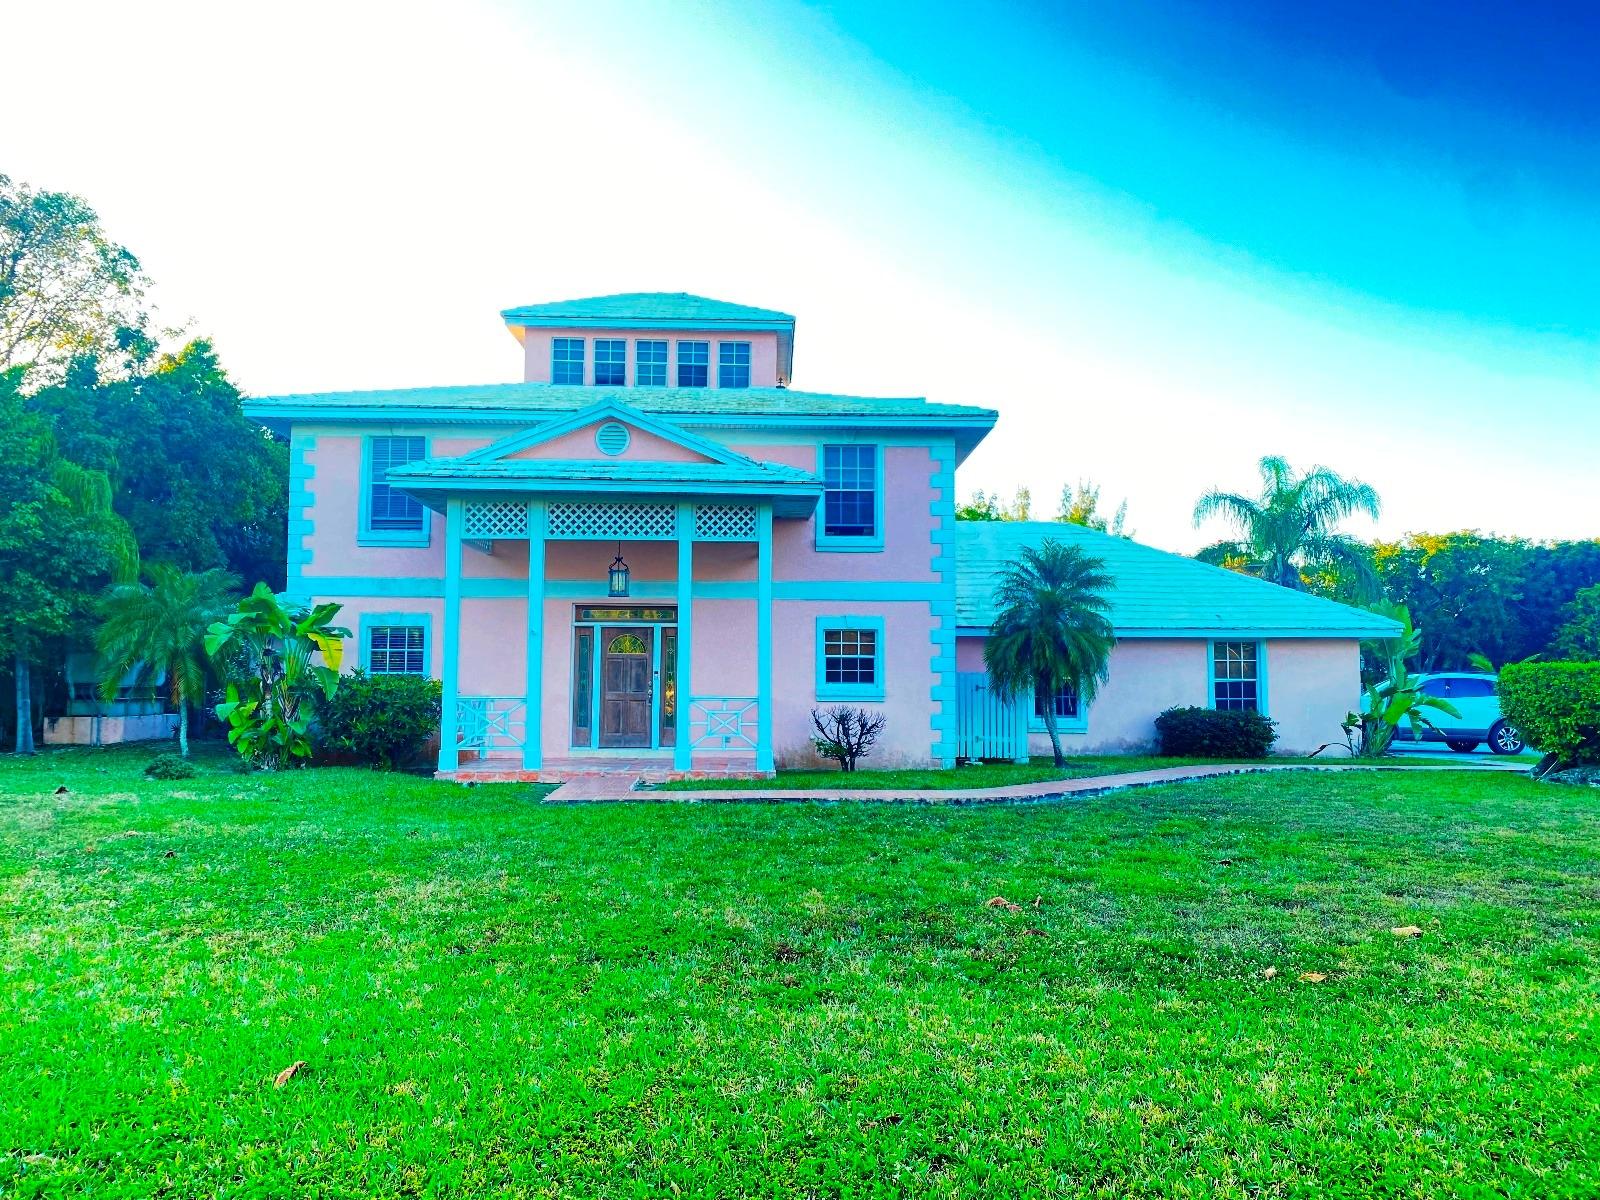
(499,997)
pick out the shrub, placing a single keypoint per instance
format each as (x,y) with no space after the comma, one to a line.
(1210,733)
(380,720)
(1555,706)
(846,734)
(169,766)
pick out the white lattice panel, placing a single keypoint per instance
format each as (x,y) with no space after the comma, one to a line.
(600,520)
(495,519)
(725,522)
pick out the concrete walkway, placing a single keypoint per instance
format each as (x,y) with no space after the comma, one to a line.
(623,787)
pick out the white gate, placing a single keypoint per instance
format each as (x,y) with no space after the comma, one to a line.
(988,725)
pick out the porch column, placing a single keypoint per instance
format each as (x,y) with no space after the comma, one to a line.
(532,734)
(764,638)
(449,755)
(682,752)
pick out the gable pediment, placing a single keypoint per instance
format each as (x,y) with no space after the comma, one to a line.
(611,438)
(602,432)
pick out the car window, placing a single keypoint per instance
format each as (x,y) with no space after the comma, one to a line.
(1435,687)
(1472,689)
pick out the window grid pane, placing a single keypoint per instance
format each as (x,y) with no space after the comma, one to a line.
(850,491)
(694,364)
(566,360)
(388,509)
(1234,668)
(610,362)
(850,656)
(733,364)
(395,650)
(650,363)
(1066,703)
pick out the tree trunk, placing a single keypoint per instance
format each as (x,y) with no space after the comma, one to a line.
(183,727)
(24,705)
(1049,707)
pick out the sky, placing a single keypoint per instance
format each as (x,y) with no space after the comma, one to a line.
(1162,237)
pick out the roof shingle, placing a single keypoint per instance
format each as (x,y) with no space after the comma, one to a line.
(673,308)
(553,398)
(1157,593)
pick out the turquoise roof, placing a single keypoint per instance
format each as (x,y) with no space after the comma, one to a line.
(1157,594)
(658,308)
(617,472)
(791,491)
(513,400)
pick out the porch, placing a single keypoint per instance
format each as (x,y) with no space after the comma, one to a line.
(609,678)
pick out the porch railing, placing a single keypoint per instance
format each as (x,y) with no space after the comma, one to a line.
(490,723)
(723,722)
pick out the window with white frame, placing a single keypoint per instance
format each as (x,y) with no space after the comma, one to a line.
(849,658)
(1236,676)
(610,362)
(397,650)
(733,364)
(566,360)
(694,364)
(650,363)
(390,511)
(850,492)
(1064,702)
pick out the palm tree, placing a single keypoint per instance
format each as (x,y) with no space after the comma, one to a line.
(1051,631)
(159,628)
(1291,527)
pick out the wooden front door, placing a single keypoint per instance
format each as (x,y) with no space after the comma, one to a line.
(625,685)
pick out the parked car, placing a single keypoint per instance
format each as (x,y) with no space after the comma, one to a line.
(1476,698)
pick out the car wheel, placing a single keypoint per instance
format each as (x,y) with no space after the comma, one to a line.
(1503,739)
(1461,746)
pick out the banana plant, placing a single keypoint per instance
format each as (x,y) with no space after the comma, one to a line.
(1397,697)
(266,649)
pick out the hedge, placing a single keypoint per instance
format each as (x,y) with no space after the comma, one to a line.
(379,720)
(1555,706)
(1212,733)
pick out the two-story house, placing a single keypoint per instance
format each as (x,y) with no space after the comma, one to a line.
(653,555)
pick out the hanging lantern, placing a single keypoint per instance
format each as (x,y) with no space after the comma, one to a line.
(619,574)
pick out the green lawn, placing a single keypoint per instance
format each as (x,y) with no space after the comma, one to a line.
(496,996)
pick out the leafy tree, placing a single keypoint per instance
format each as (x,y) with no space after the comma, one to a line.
(202,486)
(984,507)
(59,544)
(66,289)
(1083,508)
(159,628)
(1291,527)
(267,647)
(1051,631)
(1578,638)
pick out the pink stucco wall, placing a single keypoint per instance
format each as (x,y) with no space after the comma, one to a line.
(763,351)
(908,521)
(336,549)
(1311,684)
(494,629)
(908,678)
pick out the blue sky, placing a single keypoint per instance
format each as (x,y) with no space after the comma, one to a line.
(1162,238)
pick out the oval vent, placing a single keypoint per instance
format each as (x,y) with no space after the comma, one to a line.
(612,438)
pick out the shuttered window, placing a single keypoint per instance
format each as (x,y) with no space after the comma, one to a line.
(389,510)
